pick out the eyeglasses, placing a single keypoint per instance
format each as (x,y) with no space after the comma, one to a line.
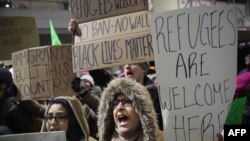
(58,118)
(125,103)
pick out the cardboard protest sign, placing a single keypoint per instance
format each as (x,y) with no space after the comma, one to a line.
(195,51)
(89,10)
(17,33)
(113,27)
(39,136)
(163,5)
(132,48)
(43,72)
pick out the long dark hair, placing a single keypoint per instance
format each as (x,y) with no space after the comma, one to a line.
(74,132)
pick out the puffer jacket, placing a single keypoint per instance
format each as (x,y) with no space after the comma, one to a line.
(79,112)
(142,103)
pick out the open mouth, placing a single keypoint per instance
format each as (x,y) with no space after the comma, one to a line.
(122,119)
(129,73)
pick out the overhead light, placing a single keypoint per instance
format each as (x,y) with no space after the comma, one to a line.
(6,4)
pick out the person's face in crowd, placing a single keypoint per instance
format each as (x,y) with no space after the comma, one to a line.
(247,62)
(125,117)
(56,118)
(86,84)
(134,71)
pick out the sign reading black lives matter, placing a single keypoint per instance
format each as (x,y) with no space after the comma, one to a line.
(43,72)
(117,51)
(195,53)
(113,41)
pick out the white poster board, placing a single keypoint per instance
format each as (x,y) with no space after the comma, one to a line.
(195,52)
(39,136)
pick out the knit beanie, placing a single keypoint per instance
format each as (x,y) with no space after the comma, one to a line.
(144,66)
(89,78)
(5,76)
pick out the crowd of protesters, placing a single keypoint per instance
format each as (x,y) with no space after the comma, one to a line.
(79,112)
(105,106)
(126,109)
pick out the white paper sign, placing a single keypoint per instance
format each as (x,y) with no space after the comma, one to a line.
(195,52)
(40,136)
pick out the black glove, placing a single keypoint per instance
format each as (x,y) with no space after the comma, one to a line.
(76,84)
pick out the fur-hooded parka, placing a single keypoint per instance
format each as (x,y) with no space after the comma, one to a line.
(79,113)
(141,101)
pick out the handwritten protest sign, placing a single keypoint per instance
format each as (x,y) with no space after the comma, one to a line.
(163,5)
(113,27)
(17,33)
(39,136)
(132,48)
(89,10)
(43,72)
(195,52)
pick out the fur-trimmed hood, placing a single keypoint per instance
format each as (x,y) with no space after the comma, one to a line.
(78,111)
(141,101)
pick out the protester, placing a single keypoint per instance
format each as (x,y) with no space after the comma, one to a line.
(67,114)
(138,72)
(86,92)
(16,115)
(243,89)
(89,95)
(127,113)
(88,86)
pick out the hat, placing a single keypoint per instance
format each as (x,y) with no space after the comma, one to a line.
(5,76)
(144,66)
(89,78)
